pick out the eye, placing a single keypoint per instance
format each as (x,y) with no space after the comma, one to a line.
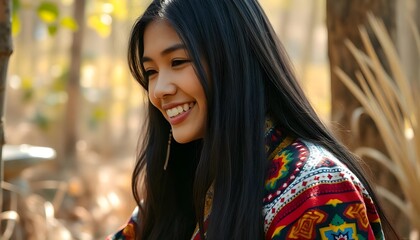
(179,62)
(149,73)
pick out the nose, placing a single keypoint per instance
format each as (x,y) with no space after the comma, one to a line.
(163,86)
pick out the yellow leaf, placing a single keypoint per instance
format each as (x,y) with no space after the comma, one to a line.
(48,12)
(69,23)
(120,9)
(27,83)
(52,29)
(15,24)
(101,24)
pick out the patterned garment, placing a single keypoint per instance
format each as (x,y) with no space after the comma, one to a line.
(309,194)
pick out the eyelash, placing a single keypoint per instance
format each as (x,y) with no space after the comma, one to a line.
(148,73)
(177,62)
(174,63)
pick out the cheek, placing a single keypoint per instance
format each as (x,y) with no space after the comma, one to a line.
(200,95)
(153,100)
(151,96)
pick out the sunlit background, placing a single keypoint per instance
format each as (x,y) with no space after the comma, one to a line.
(79,186)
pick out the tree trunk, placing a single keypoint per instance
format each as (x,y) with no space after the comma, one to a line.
(405,39)
(343,21)
(73,90)
(6,50)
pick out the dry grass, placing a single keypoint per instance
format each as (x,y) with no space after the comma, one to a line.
(390,99)
(88,204)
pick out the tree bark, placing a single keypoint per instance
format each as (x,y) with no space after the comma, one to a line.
(343,21)
(73,89)
(344,18)
(6,50)
(405,39)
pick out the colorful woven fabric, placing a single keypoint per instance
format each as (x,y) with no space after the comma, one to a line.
(312,195)
(309,194)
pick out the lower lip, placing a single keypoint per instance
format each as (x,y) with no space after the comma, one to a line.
(181,117)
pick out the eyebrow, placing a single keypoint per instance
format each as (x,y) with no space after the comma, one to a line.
(166,51)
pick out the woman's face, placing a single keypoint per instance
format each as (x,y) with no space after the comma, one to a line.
(174,87)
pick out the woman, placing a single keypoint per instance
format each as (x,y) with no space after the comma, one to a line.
(233,149)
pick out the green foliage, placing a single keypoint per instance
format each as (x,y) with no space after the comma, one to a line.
(69,23)
(104,12)
(15,5)
(98,115)
(119,9)
(48,12)
(52,29)
(60,83)
(101,24)
(28,89)
(16,26)
(41,121)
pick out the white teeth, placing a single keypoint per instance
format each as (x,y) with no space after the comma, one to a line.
(179,109)
(185,107)
(175,111)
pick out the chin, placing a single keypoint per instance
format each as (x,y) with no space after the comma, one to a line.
(184,138)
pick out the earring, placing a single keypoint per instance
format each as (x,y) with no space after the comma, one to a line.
(168,150)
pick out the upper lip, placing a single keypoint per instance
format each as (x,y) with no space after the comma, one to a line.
(167,106)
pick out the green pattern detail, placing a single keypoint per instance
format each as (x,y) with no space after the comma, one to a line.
(360,237)
(337,221)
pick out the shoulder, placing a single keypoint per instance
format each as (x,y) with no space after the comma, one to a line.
(302,165)
(307,184)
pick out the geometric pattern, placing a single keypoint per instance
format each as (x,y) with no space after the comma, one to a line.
(320,198)
(309,194)
(305,227)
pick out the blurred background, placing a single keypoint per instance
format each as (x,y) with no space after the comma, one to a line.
(73,113)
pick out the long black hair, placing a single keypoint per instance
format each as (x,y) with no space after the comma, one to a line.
(246,75)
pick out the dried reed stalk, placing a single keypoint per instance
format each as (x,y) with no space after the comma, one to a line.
(390,99)
(10,216)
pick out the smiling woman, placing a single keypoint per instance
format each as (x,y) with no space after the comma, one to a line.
(249,158)
(174,87)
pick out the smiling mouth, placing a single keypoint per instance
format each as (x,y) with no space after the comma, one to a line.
(173,112)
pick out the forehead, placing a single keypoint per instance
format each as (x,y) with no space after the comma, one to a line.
(159,35)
